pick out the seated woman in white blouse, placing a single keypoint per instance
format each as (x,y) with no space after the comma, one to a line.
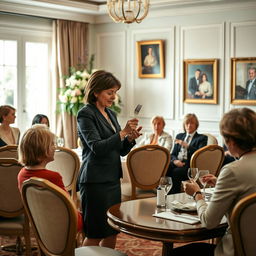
(158,137)
(8,135)
(235,181)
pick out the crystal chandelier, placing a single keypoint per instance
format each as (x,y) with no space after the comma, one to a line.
(128,11)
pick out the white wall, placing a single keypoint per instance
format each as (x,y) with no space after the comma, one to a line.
(219,33)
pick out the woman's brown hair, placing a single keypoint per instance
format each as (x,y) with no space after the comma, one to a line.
(4,111)
(99,81)
(240,126)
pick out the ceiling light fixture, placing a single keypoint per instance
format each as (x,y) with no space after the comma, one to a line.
(128,11)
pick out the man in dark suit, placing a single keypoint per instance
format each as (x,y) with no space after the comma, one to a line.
(251,85)
(185,145)
(194,83)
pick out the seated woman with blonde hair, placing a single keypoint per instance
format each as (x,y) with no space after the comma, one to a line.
(8,135)
(36,150)
(159,136)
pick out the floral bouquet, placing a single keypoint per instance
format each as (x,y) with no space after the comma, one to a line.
(71,97)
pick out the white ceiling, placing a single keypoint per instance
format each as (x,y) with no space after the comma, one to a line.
(94,11)
(98,7)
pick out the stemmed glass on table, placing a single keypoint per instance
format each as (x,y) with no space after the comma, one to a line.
(202,173)
(193,174)
(166,184)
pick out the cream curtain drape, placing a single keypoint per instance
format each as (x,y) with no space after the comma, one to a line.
(70,50)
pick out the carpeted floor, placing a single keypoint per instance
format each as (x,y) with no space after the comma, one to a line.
(130,245)
(134,246)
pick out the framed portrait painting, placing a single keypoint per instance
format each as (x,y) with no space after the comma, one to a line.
(201,81)
(150,59)
(243,81)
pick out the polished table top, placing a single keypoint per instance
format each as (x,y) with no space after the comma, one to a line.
(135,218)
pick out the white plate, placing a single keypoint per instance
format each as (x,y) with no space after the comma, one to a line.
(186,207)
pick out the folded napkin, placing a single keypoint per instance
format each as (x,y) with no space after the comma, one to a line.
(188,206)
(185,218)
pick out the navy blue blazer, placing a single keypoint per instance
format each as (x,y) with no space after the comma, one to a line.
(198,141)
(102,146)
(193,87)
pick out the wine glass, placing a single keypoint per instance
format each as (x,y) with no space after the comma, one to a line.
(193,174)
(60,142)
(166,184)
(202,173)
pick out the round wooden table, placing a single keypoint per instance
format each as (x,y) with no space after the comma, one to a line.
(135,218)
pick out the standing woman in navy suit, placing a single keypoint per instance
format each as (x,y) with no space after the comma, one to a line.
(103,143)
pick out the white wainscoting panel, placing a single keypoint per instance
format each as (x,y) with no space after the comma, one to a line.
(243,38)
(111,56)
(242,44)
(203,42)
(155,94)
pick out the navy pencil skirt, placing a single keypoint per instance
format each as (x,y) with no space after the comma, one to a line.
(96,199)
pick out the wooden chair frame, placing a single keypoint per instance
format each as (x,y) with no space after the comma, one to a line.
(69,244)
(134,182)
(11,149)
(212,147)
(235,217)
(42,184)
(19,212)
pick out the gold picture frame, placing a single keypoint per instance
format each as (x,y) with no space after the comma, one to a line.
(201,81)
(243,78)
(150,59)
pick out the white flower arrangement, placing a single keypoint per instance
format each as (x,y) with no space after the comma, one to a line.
(71,97)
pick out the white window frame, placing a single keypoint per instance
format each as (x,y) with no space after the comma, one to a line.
(22,32)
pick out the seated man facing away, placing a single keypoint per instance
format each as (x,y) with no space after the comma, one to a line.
(185,145)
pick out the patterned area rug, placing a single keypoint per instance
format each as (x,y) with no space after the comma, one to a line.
(130,245)
(134,246)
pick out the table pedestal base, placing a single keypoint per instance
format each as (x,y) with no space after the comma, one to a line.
(167,248)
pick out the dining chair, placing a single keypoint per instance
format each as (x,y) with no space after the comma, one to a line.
(243,225)
(13,220)
(9,151)
(66,163)
(209,157)
(146,165)
(211,139)
(53,217)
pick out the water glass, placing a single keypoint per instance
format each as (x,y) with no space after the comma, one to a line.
(60,142)
(202,173)
(193,174)
(166,184)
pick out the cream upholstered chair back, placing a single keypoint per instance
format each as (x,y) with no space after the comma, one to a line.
(11,205)
(9,151)
(54,219)
(243,226)
(146,165)
(211,139)
(66,163)
(10,199)
(52,216)
(209,157)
